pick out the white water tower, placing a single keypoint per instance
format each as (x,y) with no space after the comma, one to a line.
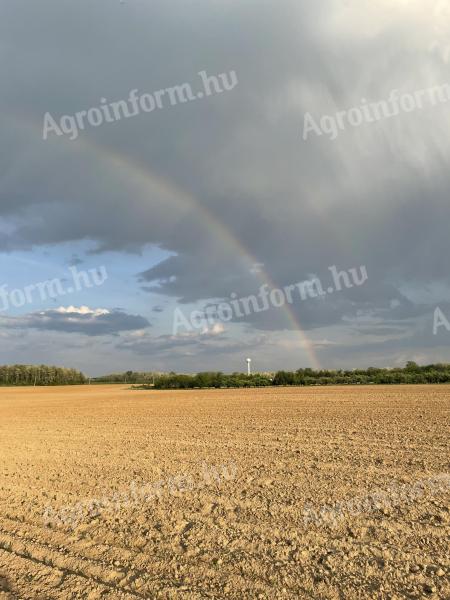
(249,366)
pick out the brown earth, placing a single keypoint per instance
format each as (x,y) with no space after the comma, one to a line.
(242,533)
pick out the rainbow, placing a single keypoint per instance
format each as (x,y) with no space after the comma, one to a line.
(137,174)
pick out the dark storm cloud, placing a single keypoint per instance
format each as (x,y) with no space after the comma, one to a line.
(92,323)
(377,196)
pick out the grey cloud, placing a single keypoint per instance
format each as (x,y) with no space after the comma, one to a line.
(205,344)
(89,324)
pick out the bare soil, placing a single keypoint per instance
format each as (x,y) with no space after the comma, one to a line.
(240,536)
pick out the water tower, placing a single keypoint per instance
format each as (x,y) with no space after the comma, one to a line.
(249,366)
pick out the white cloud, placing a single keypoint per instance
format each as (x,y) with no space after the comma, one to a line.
(83,310)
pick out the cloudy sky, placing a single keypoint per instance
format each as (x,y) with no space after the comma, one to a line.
(191,204)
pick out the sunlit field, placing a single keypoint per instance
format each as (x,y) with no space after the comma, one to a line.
(112,493)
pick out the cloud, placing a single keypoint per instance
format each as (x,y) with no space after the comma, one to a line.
(209,344)
(83,320)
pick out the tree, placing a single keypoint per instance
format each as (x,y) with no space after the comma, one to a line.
(39,375)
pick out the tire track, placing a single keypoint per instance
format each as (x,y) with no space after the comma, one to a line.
(78,567)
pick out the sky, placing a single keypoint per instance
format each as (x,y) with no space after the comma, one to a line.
(148,217)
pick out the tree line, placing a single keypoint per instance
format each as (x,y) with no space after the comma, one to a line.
(128,377)
(39,375)
(216,379)
(411,374)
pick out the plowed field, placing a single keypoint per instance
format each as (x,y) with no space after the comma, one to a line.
(111,493)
